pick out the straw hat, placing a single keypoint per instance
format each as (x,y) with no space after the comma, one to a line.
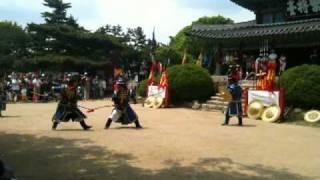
(312,116)
(271,114)
(255,110)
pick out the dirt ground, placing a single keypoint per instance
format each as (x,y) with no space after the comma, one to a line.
(174,144)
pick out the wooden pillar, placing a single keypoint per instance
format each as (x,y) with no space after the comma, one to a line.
(218,60)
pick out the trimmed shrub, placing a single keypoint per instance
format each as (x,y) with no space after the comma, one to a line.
(142,88)
(302,86)
(189,82)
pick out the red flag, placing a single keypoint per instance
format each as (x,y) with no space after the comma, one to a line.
(165,84)
(150,78)
(164,78)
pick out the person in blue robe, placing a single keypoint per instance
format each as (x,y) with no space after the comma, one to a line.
(235,105)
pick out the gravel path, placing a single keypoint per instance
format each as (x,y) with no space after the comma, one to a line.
(174,144)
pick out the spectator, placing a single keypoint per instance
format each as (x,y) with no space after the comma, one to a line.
(282,64)
(87,87)
(36,88)
(102,87)
(15,87)
(24,96)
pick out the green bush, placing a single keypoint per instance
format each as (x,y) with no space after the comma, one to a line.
(142,88)
(189,82)
(302,86)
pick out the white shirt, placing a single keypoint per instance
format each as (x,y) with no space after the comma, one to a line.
(36,82)
(15,85)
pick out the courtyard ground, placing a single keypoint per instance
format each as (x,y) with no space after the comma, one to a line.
(174,144)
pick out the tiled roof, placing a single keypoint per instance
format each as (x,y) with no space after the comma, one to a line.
(251,29)
(259,4)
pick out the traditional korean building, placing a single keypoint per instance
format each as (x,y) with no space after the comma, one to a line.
(290,27)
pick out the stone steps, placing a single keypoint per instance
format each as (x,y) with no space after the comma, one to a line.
(212,107)
(217,102)
(216,98)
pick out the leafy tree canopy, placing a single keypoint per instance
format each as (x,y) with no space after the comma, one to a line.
(182,41)
(59,13)
(13,40)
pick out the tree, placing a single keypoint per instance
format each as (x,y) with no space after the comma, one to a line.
(137,38)
(166,54)
(182,41)
(66,40)
(59,13)
(213,20)
(134,43)
(115,31)
(14,39)
(13,45)
(62,35)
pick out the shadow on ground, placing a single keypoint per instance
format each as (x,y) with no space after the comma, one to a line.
(47,158)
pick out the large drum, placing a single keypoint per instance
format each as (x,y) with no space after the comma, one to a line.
(271,114)
(255,110)
(312,116)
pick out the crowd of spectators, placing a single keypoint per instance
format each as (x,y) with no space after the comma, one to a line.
(43,87)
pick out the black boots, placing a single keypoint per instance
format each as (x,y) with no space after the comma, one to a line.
(227,118)
(240,121)
(84,125)
(108,124)
(137,123)
(54,125)
(109,121)
(226,122)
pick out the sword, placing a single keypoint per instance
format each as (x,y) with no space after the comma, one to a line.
(97,108)
(83,107)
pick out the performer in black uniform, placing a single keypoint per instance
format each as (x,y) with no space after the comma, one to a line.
(235,105)
(67,108)
(122,113)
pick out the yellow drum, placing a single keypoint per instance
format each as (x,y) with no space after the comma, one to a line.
(255,110)
(271,114)
(312,116)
